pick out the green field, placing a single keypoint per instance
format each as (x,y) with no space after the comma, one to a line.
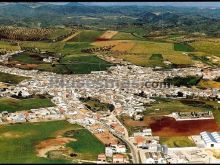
(168,106)
(208,46)
(95,105)
(72,48)
(4,45)
(84,64)
(87,146)
(183,47)
(156,57)
(183,81)
(178,141)
(87,36)
(18,142)
(28,58)
(139,52)
(14,105)
(11,79)
(81,64)
(126,36)
(43,45)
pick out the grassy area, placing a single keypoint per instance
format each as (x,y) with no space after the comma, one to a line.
(156,57)
(75,47)
(209,84)
(14,105)
(95,105)
(18,142)
(168,106)
(59,32)
(4,45)
(87,145)
(69,64)
(203,59)
(178,141)
(43,46)
(11,79)
(28,58)
(183,47)
(139,52)
(125,36)
(183,81)
(87,36)
(207,46)
(84,64)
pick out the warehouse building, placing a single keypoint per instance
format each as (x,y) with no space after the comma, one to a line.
(211,140)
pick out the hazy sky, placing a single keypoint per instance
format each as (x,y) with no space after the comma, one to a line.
(179,4)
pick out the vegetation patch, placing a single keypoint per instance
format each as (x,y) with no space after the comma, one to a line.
(14,105)
(209,46)
(87,36)
(11,79)
(156,57)
(188,81)
(209,84)
(87,146)
(23,148)
(95,104)
(183,47)
(177,141)
(6,46)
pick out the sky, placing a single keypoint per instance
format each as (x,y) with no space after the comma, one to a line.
(177,4)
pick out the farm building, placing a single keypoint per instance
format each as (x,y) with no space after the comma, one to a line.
(211,139)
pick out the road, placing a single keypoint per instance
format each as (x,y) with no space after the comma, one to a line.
(133,149)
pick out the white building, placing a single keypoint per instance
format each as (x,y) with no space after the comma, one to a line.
(211,140)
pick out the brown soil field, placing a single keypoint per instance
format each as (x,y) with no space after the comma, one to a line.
(106,138)
(167,126)
(51,144)
(108,34)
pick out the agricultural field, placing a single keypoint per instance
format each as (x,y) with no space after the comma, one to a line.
(76,65)
(14,105)
(33,34)
(87,36)
(11,79)
(188,81)
(126,36)
(183,47)
(8,46)
(43,45)
(23,143)
(177,141)
(209,46)
(209,84)
(108,35)
(87,146)
(154,118)
(71,48)
(139,52)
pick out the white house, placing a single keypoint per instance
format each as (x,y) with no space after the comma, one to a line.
(108,151)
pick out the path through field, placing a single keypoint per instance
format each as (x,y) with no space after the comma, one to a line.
(71,36)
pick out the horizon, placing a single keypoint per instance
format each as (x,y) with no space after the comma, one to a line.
(173,4)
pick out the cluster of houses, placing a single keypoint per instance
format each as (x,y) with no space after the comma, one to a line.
(114,154)
(67,89)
